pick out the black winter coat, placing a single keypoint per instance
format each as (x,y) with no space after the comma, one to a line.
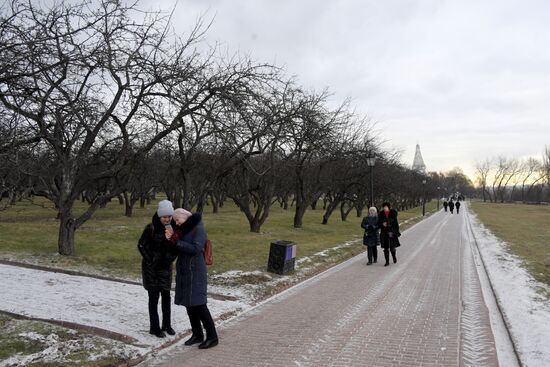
(371,237)
(191,272)
(389,234)
(158,254)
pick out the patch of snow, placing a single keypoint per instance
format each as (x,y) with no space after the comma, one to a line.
(57,351)
(117,307)
(526,311)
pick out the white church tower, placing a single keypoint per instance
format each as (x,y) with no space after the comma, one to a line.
(418,163)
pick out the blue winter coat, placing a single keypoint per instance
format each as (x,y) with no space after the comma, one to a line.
(371,237)
(191,272)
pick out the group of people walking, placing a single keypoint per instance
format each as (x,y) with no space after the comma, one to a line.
(381,229)
(177,234)
(451,205)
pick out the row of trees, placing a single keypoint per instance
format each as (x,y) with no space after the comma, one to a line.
(504,179)
(103,101)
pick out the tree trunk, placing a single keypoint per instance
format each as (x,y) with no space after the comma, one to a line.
(66,233)
(314,205)
(215,206)
(359,210)
(299,215)
(255,225)
(345,212)
(330,209)
(177,199)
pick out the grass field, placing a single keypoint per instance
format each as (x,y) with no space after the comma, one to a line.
(526,229)
(107,243)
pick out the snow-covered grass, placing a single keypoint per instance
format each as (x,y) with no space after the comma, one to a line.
(524,307)
(25,342)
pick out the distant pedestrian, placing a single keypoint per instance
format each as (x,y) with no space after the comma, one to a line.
(445,204)
(371,238)
(191,277)
(158,254)
(389,232)
(457,205)
(451,206)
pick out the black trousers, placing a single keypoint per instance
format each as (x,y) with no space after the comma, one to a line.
(372,253)
(201,314)
(387,254)
(153,309)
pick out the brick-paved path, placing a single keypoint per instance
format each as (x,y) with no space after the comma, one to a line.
(407,314)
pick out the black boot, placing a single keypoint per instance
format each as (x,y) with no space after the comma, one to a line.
(194,319)
(194,339)
(387,257)
(158,333)
(209,326)
(169,330)
(208,343)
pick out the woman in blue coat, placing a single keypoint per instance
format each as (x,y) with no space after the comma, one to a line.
(191,277)
(371,238)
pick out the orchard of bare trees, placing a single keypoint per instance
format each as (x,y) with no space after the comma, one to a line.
(504,179)
(100,101)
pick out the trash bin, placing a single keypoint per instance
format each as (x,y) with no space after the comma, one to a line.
(282,256)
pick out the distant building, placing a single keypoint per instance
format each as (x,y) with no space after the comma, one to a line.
(418,162)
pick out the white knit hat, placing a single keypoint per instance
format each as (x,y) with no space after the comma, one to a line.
(165,208)
(182,214)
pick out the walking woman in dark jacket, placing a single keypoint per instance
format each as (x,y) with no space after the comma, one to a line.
(158,254)
(191,277)
(389,232)
(371,238)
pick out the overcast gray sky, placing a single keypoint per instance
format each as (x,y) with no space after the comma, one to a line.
(465,79)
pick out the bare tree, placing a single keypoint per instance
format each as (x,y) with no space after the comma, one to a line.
(84,79)
(483,170)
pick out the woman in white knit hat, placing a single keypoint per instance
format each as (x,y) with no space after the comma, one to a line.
(158,254)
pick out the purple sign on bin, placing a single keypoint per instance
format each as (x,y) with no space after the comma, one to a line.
(290,252)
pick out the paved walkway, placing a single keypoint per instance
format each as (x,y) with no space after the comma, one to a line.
(426,310)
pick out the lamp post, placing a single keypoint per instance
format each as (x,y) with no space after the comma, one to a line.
(370,162)
(423,197)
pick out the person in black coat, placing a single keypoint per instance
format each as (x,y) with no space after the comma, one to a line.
(371,238)
(451,206)
(191,277)
(389,232)
(457,205)
(445,205)
(158,254)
